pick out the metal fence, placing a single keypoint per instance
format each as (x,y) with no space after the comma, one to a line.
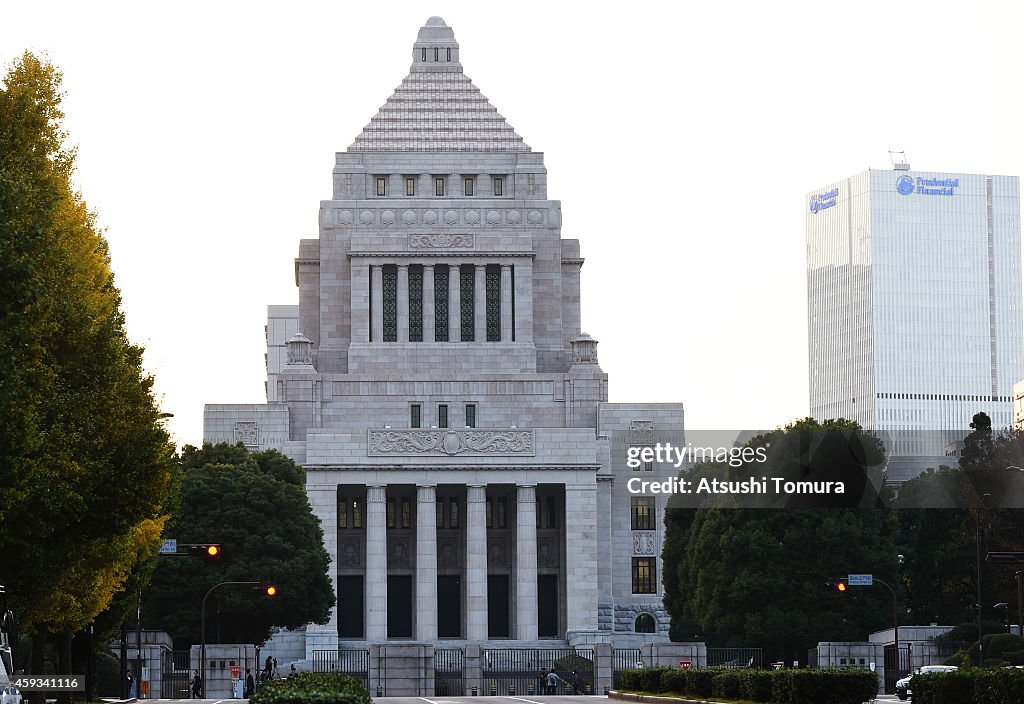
(516,671)
(354,663)
(735,657)
(449,679)
(623,659)
(897,666)
(175,675)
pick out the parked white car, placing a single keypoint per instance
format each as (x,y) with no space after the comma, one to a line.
(903,686)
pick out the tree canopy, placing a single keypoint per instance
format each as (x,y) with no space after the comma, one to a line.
(255,507)
(84,461)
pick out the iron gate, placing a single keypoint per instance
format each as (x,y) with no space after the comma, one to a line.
(448,673)
(175,675)
(354,663)
(735,657)
(513,671)
(623,659)
(894,669)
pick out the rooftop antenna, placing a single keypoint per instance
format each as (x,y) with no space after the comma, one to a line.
(898,159)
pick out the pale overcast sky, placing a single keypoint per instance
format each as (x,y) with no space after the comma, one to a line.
(681,139)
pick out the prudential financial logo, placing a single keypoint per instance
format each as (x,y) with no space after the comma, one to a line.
(905,185)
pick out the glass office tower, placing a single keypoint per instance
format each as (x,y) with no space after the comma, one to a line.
(914,304)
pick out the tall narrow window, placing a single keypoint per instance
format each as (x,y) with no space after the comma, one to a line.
(410,185)
(439,186)
(423,54)
(489,513)
(439,513)
(415,415)
(470,415)
(415,303)
(357,513)
(468,181)
(645,575)
(342,512)
(500,520)
(390,326)
(406,513)
(382,186)
(453,514)
(641,513)
(449,53)
(466,300)
(442,415)
(441,303)
(391,513)
(493,303)
(435,53)
(498,185)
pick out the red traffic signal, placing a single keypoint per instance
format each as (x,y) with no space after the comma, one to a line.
(268,589)
(838,584)
(841,586)
(271,590)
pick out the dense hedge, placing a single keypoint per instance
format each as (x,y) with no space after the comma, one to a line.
(836,686)
(310,688)
(997,686)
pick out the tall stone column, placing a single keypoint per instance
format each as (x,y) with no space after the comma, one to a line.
(426,562)
(480,303)
(476,563)
(403,303)
(524,301)
(526,562)
(376,564)
(360,301)
(506,303)
(581,583)
(428,303)
(377,303)
(454,305)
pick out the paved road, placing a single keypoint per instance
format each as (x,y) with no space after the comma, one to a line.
(463,700)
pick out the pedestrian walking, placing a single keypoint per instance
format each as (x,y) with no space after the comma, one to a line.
(250,684)
(553,680)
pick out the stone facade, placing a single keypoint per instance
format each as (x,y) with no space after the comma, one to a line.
(461,453)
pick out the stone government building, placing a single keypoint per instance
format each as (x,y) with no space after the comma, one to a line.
(461,453)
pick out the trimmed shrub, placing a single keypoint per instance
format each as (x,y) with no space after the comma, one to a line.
(313,688)
(631,680)
(673,681)
(699,682)
(650,679)
(756,685)
(726,684)
(1003,686)
(943,688)
(832,685)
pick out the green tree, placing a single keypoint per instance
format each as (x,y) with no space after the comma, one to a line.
(756,576)
(255,507)
(84,460)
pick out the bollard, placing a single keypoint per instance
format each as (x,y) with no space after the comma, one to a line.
(474,690)
(511,689)
(586,688)
(494,689)
(529,689)
(607,689)
(380,691)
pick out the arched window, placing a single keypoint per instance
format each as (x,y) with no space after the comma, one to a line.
(645,623)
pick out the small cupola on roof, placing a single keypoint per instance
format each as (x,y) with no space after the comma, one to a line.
(437,108)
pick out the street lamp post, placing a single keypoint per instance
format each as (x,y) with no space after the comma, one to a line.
(1006,613)
(895,621)
(977,543)
(1020,603)
(202,627)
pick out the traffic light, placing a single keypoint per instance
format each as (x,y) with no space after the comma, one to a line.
(205,550)
(268,589)
(836,584)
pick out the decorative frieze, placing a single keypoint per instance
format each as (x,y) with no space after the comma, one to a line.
(440,241)
(645,543)
(247,432)
(442,442)
(435,216)
(641,432)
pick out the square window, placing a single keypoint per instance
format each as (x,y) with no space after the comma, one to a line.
(498,185)
(648,466)
(438,186)
(644,575)
(469,185)
(382,186)
(410,186)
(442,415)
(470,415)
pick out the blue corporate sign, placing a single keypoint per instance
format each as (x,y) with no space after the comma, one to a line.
(906,185)
(169,546)
(820,201)
(860,580)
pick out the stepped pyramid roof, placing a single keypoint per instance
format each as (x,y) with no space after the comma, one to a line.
(437,108)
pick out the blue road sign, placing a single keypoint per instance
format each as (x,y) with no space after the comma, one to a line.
(860,580)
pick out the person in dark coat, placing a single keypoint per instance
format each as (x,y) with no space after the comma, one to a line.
(197,685)
(250,684)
